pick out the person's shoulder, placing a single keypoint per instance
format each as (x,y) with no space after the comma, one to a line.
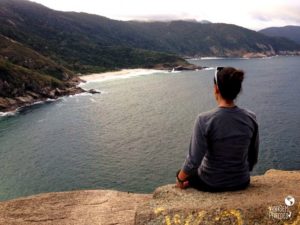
(208,113)
(204,116)
(248,112)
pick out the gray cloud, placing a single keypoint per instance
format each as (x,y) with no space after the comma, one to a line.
(286,14)
(159,17)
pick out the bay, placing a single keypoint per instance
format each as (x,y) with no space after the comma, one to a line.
(135,135)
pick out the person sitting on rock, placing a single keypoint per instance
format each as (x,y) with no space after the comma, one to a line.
(225,141)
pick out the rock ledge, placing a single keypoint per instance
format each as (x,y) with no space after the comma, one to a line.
(262,203)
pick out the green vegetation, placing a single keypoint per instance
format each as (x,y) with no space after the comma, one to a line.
(22,69)
(80,42)
(23,56)
(16,80)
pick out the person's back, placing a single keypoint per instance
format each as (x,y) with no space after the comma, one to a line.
(229,132)
(224,144)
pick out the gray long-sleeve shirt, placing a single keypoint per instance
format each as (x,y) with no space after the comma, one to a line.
(224,147)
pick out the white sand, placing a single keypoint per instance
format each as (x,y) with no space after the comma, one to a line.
(125,73)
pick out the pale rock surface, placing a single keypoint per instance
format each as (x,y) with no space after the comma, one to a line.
(70,208)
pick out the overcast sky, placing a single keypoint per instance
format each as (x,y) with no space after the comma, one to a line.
(253,14)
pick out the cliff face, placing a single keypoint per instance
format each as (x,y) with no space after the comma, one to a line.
(262,203)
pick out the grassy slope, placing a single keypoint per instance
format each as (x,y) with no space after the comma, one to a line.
(22,69)
(16,80)
(23,56)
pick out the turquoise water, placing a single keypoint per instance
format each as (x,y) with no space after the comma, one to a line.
(135,135)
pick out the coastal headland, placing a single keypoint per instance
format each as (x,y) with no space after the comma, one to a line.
(73,85)
(272,198)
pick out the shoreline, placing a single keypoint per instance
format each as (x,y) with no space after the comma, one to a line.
(120,74)
(12,106)
(14,109)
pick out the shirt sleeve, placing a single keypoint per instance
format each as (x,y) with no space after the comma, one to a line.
(197,149)
(253,149)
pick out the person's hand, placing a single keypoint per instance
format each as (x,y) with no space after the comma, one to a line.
(181,181)
(182,185)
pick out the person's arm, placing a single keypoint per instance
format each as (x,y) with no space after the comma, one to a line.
(197,150)
(253,149)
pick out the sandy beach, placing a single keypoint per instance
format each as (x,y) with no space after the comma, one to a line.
(125,73)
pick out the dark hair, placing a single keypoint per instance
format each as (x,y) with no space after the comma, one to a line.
(229,82)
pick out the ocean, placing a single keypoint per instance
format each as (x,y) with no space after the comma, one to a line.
(134,135)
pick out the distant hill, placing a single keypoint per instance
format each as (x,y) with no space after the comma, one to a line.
(211,39)
(290,32)
(88,43)
(79,41)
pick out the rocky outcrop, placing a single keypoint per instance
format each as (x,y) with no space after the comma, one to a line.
(29,98)
(187,67)
(262,203)
(93,91)
(44,93)
(177,67)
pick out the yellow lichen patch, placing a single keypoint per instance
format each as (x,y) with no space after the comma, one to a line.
(158,210)
(177,219)
(199,217)
(190,219)
(168,220)
(231,212)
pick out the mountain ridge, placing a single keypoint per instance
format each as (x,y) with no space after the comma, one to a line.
(92,32)
(290,32)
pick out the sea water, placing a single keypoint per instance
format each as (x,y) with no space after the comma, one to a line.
(134,136)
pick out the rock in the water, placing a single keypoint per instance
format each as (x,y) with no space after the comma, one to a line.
(176,67)
(93,91)
(187,67)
